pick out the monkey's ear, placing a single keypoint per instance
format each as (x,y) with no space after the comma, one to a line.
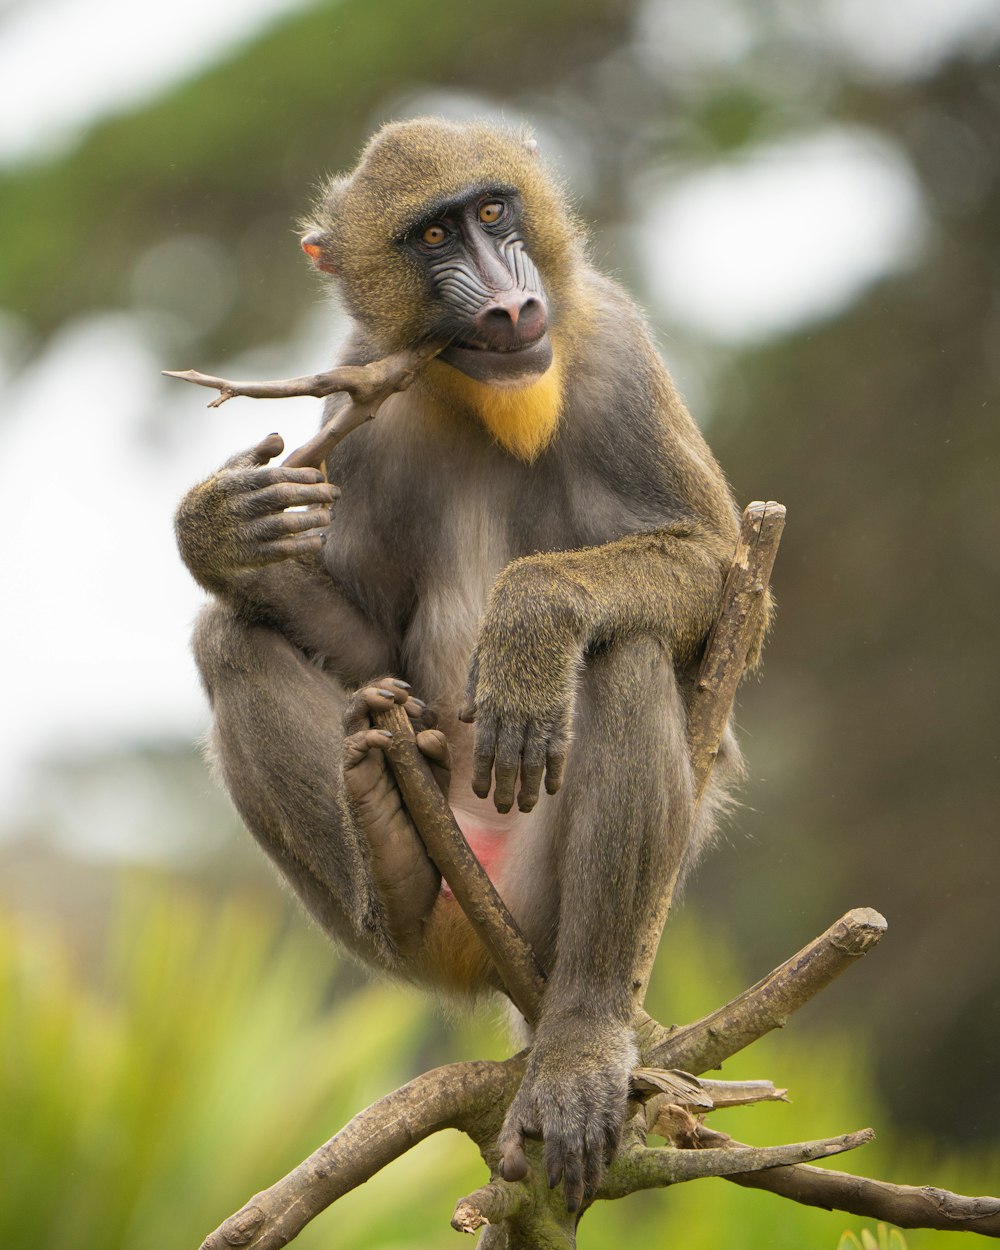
(313,246)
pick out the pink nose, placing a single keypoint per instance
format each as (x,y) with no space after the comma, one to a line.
(513,318)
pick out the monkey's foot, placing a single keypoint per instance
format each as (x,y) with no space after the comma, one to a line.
(405,879)
(574,1097)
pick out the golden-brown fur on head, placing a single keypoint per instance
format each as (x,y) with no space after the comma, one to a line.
(406,169)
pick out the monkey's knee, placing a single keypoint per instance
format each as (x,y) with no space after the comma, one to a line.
(229,650)
(629,686)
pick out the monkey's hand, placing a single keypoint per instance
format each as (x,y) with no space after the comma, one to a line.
(574,1096)
(237,520)
(405,879)
(522,683)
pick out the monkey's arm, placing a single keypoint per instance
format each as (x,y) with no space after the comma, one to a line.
(545,611)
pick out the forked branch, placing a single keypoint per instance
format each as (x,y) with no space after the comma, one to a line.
(907,1206)
(368,386)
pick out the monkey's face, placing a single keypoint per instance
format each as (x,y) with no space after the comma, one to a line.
(484,286)
(451,232)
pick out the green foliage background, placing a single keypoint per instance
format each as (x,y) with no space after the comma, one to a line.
(204,1050)
(173,1044)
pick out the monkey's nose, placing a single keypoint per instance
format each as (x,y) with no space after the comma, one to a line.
(513,319)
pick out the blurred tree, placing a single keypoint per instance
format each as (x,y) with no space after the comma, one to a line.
(875,724)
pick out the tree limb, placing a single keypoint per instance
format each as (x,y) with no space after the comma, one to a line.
(460,1095)
(369,386)
(655,1168)
(703,1045)
(907,1206)
(490,1204)
(711,703)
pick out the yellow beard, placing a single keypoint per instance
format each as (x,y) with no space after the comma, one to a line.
(522,419)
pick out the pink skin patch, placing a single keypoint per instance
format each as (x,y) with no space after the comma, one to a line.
(489,845)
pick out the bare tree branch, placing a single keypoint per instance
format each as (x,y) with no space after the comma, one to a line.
(739,622)
(741,1093)
(369,386)
(736,626)
(491,1204)
(907,1206)
(654,1168)
(461,1095)
(703,1045)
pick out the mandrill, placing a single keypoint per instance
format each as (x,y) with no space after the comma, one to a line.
(526,551)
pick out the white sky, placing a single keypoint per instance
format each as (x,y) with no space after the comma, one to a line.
(65,62)
(97,607)
(781,234)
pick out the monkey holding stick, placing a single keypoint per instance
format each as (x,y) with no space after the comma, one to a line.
(525,551)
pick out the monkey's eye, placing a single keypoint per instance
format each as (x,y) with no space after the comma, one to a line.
(434,236)
(490,214)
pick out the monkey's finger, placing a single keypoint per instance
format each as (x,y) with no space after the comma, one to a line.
(600,1141)
(513,1160)
(532,767)
(508,760)
(264,451)
(555,767)
(483,756)
(287,548)
(572,1170)
(262,501)
(467,712)
(284,524)
(555,759)
(378,697)
(439,757)
(418,712)
(434,745)
(277,474)
(358,745)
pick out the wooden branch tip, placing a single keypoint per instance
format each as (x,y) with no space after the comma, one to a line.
(492,1204)
(704,1044)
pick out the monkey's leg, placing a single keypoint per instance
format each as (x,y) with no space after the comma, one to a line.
(620,825)
(279,740)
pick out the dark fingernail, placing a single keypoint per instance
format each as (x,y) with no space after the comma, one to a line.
(418,703)
(403,685)
(386,694)
(502,808)
(386,733)
(553,1179)
(481,791)
(525,805)
(467,714)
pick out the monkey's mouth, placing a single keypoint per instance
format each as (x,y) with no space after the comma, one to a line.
(512,365)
